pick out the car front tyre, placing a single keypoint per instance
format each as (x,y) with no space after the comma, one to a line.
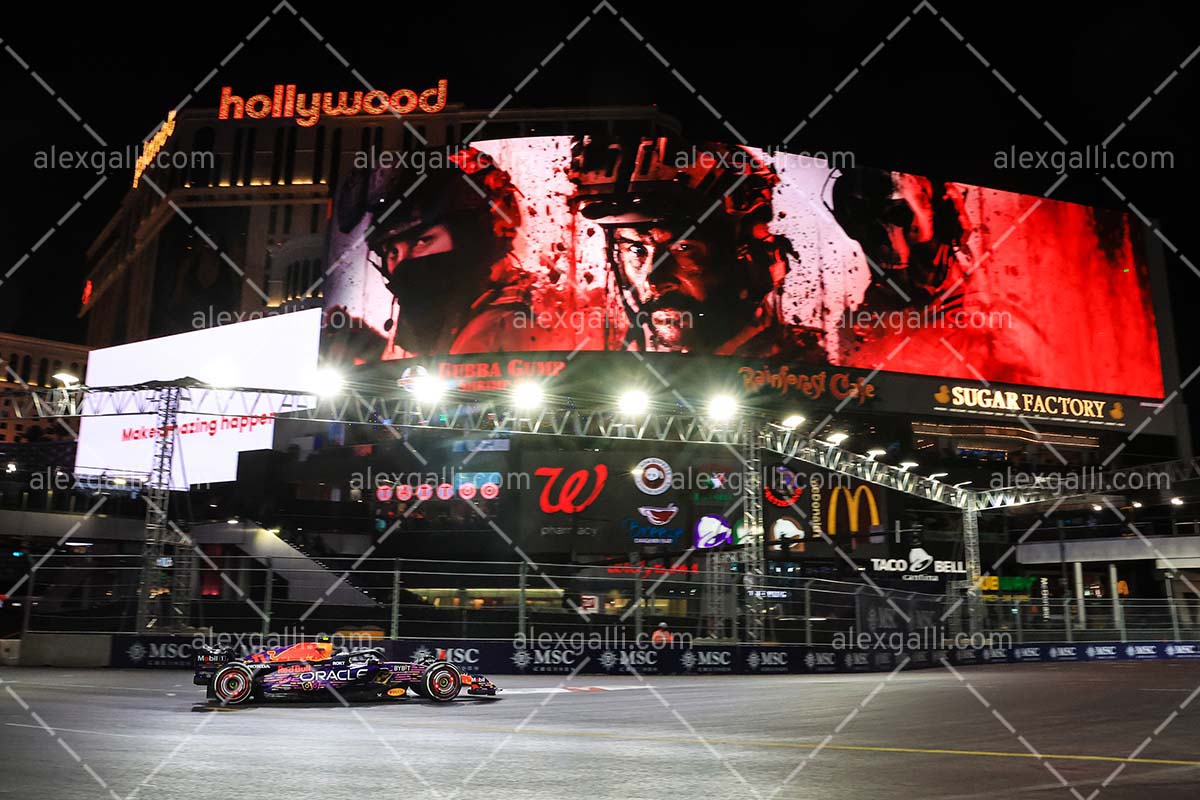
(442,682)
(233,684)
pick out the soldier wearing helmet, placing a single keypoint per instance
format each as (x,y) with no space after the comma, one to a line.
(441,240)
(913,231)
(694,263)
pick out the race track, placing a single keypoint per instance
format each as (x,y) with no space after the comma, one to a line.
(1037,730)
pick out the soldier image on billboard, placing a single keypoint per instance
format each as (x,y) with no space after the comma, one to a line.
(695,266)
(913,231)
(441,241)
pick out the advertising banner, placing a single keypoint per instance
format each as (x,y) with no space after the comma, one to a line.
(152,652)
(811,513)
(567,654)
(560,244)
(213,426)
(628,500)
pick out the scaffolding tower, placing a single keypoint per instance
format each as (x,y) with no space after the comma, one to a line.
(166,583)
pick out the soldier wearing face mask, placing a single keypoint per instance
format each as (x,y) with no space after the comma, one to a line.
(441,240)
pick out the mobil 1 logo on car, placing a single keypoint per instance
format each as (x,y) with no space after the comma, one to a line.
(706,661)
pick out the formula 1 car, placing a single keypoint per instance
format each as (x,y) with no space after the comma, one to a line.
(314,669)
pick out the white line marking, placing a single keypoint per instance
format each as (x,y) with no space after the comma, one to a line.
(93,733)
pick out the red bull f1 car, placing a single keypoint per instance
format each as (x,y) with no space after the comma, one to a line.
(314,669)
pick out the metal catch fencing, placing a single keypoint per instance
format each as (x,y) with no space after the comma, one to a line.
(401,598)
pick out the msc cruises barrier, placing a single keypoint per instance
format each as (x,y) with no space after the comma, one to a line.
(556,655)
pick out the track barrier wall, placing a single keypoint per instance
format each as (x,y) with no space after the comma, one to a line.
(492,657)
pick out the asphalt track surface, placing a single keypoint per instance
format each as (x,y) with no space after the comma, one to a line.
(1083,731)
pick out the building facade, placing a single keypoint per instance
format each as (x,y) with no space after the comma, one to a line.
(33,363)
(239,229)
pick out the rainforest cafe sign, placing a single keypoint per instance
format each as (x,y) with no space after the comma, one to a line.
(1026,402)
(814,385)
(307,109)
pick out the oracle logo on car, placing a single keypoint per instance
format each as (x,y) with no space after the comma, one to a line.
(348,674)
(565,497)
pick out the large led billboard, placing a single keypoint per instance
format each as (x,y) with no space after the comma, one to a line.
(655,245)
(278,352)
(628,499)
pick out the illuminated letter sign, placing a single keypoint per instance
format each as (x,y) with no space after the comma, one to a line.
(852,500)
(570,490)
(285,102)
(152,149)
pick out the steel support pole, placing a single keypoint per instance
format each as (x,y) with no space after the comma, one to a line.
(1079,595)
(268,592)
(638,622)
(1171,608)
(808,639)
(27,612)
(970,523)
(394,627)
(522,587)
(1115,595)
(1068,625)
(1020,622)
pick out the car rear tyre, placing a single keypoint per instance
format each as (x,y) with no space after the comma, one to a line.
(442,682)
(233,684)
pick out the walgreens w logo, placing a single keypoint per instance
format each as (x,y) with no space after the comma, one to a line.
(565,496)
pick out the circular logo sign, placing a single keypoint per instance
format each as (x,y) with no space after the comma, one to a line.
(384,493)
(786,528)
(713,530)
(445,491)
(404,492)
(466,490)
(489,491)
(652,476)
(410,376)
(783,487)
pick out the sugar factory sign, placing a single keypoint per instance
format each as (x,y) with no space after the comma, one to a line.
(307,109)
(986,400)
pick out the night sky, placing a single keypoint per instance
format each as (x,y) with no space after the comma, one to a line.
(924,103)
